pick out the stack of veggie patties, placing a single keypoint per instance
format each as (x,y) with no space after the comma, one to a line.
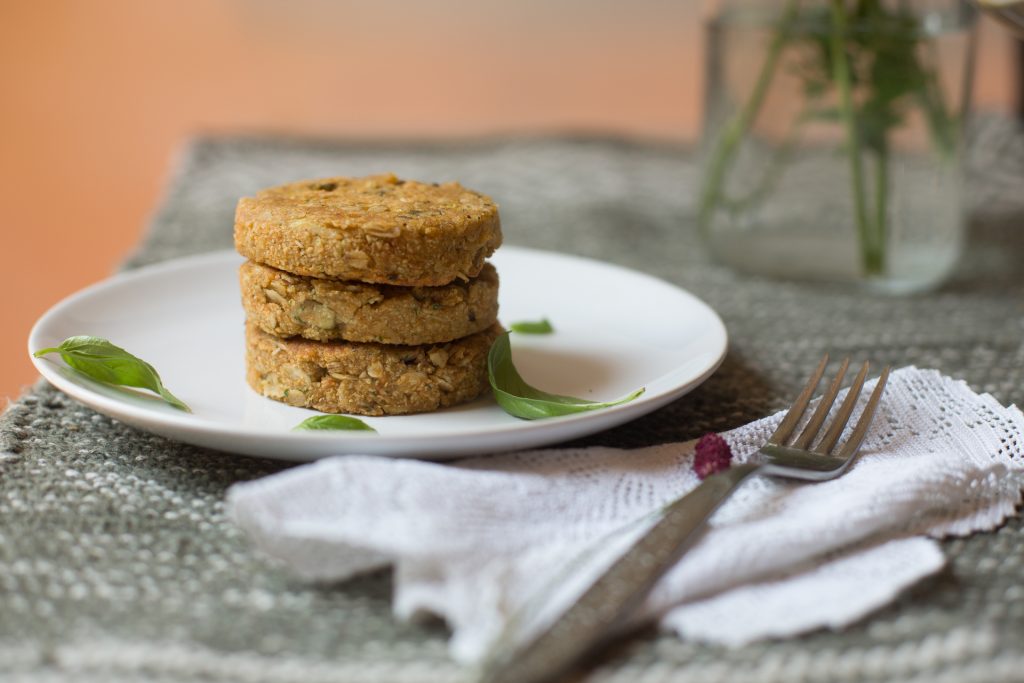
(368,295)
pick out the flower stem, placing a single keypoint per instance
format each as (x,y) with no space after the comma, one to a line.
(737,127)
(874,257)
(841,75)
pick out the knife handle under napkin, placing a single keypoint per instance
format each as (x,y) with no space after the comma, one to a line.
(592,618)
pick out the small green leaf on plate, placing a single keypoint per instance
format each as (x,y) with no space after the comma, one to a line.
(520,399)
(532,327)
(333,422)
(102,361)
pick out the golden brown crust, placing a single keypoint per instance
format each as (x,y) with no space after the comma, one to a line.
(373,229)
(287,305)
(368,379)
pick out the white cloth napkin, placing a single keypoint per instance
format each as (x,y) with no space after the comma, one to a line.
(484,540)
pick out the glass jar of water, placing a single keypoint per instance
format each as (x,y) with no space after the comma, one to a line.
(833,144)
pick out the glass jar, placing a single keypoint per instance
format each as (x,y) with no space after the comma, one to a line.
(833,142)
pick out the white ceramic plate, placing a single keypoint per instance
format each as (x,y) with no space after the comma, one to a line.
(615,330)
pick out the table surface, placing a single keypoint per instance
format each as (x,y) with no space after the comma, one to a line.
(117,562)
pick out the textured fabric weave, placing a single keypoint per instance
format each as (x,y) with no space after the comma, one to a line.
(118,564)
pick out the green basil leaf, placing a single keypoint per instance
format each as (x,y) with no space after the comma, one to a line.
(532,327)
(102,361)
(333,422)
(520,399)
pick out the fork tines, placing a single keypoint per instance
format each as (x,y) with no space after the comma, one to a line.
(829,441)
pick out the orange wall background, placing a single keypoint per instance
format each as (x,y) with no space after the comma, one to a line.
(98,94)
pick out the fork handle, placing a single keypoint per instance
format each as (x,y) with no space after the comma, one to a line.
(604,606)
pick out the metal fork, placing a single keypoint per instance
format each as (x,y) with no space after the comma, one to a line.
(600,612)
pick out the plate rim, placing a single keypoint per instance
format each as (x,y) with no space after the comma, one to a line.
(192,424)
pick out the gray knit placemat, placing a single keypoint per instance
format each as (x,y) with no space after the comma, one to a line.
(117,563)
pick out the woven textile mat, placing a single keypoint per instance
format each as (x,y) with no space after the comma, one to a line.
(117,563)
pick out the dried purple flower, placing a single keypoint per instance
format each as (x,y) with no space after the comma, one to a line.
(712,455)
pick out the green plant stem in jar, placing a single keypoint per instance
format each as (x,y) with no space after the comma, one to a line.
(737,127)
